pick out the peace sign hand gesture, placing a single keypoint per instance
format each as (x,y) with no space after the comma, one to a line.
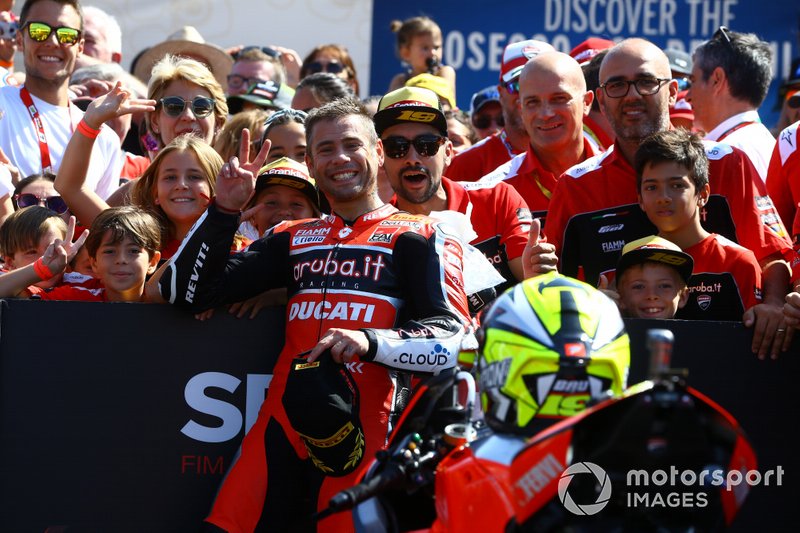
(236,181)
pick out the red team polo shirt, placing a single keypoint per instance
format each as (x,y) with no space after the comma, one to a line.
(594,211)
(499,216)
(725,282)
(783,185)
(531,180)
(481,158)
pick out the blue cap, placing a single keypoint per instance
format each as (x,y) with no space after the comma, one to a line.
(483,97)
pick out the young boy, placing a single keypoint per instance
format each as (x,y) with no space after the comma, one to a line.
(652,277)
(123,248)
(24,237)
(672,178)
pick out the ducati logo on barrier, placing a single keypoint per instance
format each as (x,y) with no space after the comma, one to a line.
(602,498)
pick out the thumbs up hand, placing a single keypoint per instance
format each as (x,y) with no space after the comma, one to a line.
(539,256)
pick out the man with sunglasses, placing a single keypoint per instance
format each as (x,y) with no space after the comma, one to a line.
(488,154)
(554,102)
(595,209)
(731,74)
(254,65)
(413,130)
(38,118)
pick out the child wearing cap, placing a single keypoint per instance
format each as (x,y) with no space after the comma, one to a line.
(672,179)
(284,191)
(652,277)
(419,45)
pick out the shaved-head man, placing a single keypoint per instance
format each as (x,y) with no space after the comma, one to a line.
(553,101)
(595,209)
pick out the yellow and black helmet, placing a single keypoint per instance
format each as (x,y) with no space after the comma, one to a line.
(548,347)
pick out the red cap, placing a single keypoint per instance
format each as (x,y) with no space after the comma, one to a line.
(585,51)
(517,54)
(682,107)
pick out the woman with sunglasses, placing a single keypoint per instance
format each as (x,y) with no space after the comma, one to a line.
(176,188)
(189,100)
(38,189)
(332,58)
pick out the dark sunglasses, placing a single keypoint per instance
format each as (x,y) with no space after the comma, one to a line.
(174,106)
(40,32)
(484,121)
(425,145)
(236,81)
(794,101)
(333,67)
(512,87)
(54,203)
(268,50)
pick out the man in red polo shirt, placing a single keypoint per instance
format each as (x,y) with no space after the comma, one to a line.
(554,101)
(594,209)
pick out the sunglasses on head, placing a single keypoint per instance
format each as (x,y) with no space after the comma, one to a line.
(334,67)
(40,32)
(174,106)
(54,203)
(425,145)
(268,50)
(484,121)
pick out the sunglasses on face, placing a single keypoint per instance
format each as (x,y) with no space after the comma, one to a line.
(683,84)
(794,101)
(333,67)
(40,32)
(484,121)
(235,81)
(425,145)
(54,203)
(513,86)
(174,106)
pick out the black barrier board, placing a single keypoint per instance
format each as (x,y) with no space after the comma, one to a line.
(124,417)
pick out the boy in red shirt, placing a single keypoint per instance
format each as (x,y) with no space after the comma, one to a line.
(123,248)
(672,179)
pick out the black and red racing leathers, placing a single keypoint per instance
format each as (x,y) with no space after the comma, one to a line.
(395,276)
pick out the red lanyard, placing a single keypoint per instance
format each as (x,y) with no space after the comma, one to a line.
(44,149)
(736,127)
(39,126)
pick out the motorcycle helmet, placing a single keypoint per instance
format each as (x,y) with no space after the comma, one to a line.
(549,346)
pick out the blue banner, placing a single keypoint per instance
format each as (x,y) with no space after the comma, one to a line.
(476,32)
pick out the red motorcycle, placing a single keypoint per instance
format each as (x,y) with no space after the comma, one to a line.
(658,458)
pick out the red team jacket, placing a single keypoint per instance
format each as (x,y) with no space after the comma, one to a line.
(396,276)
(594,211)
(725,282)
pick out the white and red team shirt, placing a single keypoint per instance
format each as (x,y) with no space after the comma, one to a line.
(531,180)
(594,211)
(783,185)
(746,132)
(499,216)
(725,282)
(481,158)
